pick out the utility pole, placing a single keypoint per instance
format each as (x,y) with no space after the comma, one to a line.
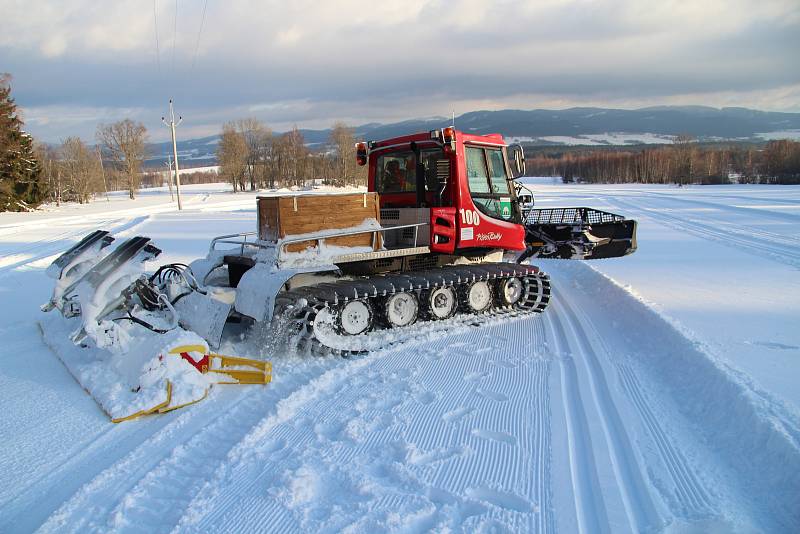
(172,124)
(103,172)
(58,188)
(169,179)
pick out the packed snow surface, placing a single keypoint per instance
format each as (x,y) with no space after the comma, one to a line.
(658,392)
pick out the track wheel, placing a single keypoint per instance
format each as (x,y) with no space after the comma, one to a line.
(402,309)
(510,291)
(479,296)
(442,303)
(355,317)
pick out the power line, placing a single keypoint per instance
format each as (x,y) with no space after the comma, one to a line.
(158,51)
(202,21)
(175,35)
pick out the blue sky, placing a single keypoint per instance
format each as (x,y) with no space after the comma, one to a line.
(78,63)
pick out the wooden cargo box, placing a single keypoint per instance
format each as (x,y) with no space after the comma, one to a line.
(283,215)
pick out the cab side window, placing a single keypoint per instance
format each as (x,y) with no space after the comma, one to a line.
(396,173)
(476,171)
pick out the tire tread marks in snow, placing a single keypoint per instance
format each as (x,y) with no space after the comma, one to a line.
(635,492)
(383,440)
(590,509)
(759,243)
(688,490)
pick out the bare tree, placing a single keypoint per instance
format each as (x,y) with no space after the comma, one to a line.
(344,144)
(296,154)
(232,156)
(81,168)
(51,171)
(685,154)
(289,159)
(124,141)
(248,152)
(258,138)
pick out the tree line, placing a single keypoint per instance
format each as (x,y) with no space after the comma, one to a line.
(684,162)
(75,172)
(32,173)
(251,157)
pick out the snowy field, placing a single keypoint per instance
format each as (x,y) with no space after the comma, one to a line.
(659,392)
(610,138)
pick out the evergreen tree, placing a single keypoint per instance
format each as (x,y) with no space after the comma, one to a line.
(20,187)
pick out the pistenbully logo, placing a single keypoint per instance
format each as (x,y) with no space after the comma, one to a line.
(491,236)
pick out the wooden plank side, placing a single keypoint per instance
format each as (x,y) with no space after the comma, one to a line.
(282,216)
(268,218)
(317,213)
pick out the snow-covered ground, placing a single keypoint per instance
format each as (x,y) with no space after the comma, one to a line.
(190,170)
(641,138)
(611,138)
(783,134)
(657,393)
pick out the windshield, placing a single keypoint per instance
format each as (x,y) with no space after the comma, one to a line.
(497,172)
(488,181)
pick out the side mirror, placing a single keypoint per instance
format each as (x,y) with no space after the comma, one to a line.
(516,158)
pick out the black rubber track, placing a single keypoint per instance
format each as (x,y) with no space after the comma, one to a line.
(296,310)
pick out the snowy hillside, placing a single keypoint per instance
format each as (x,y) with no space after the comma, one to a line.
(658,392)
(545,127)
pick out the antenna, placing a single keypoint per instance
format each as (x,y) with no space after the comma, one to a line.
(454,118)
(172,124)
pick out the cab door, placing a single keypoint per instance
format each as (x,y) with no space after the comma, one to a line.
(487,214)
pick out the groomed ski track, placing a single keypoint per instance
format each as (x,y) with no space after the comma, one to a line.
(596,416)
(532,425)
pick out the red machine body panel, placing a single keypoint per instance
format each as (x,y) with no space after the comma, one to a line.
(454,213)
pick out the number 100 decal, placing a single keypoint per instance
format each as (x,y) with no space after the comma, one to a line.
(469,217)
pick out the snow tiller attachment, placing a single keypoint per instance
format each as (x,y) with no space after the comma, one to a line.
(122,333)
(577,233)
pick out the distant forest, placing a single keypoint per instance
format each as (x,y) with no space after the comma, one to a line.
(684,162)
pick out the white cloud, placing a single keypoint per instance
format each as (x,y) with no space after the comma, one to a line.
(308,61)
(53,46)
(289,36)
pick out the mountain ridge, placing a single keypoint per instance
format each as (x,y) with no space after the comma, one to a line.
(546,127)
